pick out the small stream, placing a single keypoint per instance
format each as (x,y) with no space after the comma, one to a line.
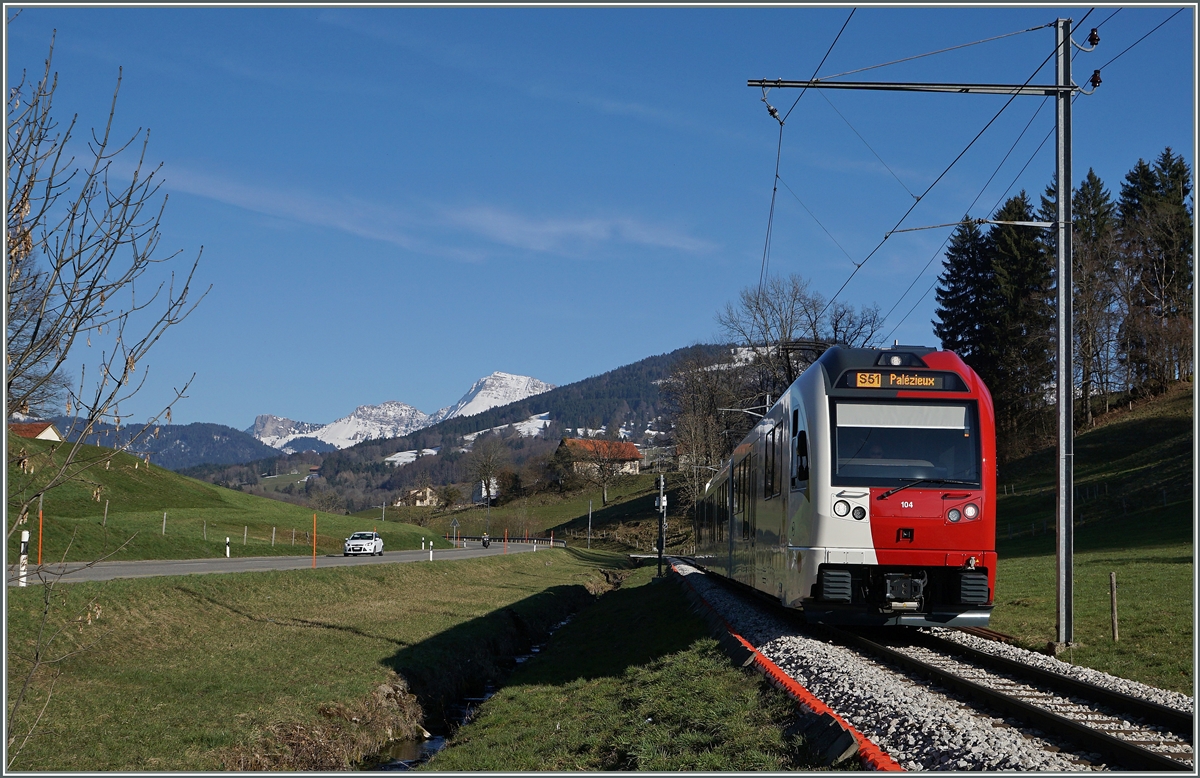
(408,754)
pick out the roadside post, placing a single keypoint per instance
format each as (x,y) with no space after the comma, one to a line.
(506,540)
(104,523)
(40,529)
(314,541)
(164,532)
(272,537)
(226,546)
(589,523)
(454,526)
(23,564)
(1112,593)
(661,505)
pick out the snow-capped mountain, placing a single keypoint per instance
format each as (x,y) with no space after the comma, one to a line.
(276,431)
(391,419)
(492,391)
(394,419)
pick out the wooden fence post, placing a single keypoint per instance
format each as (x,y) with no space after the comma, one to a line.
(1112,589)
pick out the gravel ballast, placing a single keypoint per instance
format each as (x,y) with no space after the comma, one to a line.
(922,728)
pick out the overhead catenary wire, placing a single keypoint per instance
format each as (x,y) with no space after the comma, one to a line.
(868,145)
(1022,171)
(928,189)
(818,221)
(766,259)
(762,272)
(982,189)
(940,51)
(822,62)
(1139,40)
(991,178)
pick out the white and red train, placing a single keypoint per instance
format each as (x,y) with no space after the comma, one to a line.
(866,494)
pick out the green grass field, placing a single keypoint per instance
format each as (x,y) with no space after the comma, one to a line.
(632,683)
(213,672)
(1134,517)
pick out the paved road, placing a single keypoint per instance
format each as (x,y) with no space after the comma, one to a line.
(104,571)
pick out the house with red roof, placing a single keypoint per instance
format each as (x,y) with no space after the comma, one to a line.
(590,454)
(39,430)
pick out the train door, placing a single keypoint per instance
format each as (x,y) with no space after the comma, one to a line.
(770,514)
(800,502)
(743,525)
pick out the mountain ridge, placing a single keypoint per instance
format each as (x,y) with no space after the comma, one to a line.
(392,418)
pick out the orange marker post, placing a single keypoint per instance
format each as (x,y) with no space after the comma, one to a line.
(506,540)
(314,541)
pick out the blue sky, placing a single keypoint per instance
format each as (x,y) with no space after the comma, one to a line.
(394,202)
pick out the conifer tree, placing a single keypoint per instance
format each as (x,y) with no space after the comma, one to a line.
(1024,318)
(965,295)
(1094,256)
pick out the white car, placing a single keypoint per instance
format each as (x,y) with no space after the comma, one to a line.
(364,543)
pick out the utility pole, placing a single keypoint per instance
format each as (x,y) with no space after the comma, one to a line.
(1064,550)
(1063,90)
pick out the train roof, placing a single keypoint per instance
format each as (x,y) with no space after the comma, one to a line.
(838,359)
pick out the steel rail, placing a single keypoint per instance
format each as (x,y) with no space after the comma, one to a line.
(1126,754)
(1178,721)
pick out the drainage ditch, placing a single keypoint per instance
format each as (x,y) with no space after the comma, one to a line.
(400,755)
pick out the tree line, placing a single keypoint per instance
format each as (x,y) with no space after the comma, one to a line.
(1132,297)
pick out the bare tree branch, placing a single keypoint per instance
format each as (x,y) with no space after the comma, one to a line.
(79,242)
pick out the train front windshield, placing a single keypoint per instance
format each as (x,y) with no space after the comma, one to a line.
(893,444)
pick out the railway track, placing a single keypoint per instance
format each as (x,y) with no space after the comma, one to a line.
(1124,732)
(927,703)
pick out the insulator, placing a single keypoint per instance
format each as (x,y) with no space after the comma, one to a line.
(1094,37)
(1095,79)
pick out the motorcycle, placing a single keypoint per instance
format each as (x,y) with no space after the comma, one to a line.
(486,541)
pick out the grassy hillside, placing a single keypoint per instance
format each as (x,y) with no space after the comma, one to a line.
(199,517)
(1133,516)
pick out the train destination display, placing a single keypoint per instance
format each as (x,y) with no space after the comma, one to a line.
(901,379)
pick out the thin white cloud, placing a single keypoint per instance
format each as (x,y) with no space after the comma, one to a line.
(567,235)
(412,230)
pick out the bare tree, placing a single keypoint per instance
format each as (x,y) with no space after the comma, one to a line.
(81,236)
(488,455)
(768,320)
(695,392)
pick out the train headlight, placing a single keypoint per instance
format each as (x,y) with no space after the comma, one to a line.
(954,515)
(841,507)
(860,512)
(971,510)
(896,359)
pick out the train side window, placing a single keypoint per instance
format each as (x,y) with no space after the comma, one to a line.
(800,476)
